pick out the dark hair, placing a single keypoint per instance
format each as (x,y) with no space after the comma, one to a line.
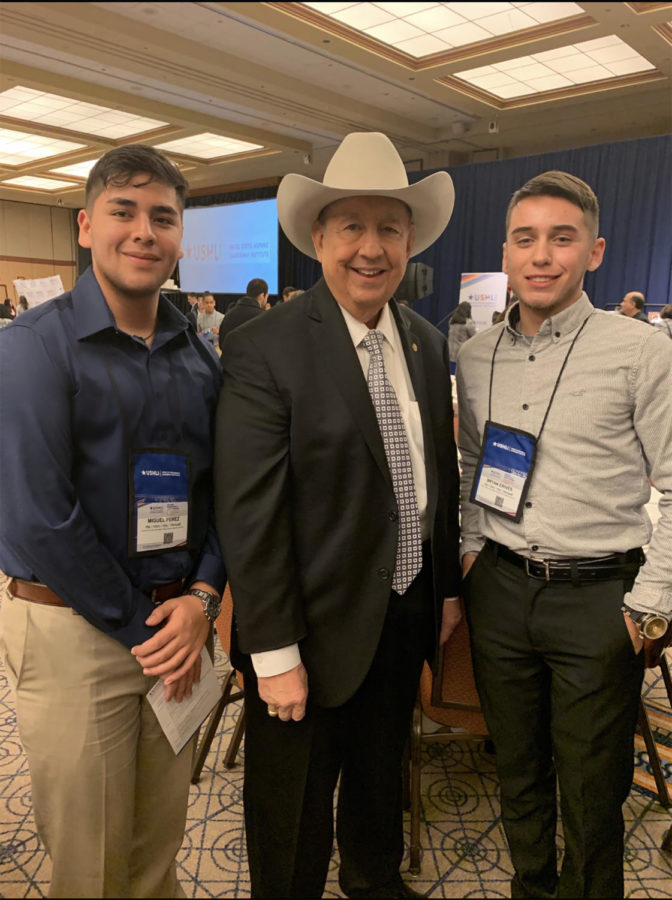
(560,184)
(666,311)
(287,290)
(461,314)
(118,166)
(255,287)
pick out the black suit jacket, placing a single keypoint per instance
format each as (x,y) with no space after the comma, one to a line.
(245,308)
(192,316)
(306,511)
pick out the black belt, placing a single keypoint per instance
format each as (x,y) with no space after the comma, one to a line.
(581,569)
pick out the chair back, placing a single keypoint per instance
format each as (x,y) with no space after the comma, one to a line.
(224,620)
(450,698)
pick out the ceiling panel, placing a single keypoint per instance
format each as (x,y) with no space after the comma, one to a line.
(290,82)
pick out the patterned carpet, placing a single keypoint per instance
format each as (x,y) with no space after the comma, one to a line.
(463,846)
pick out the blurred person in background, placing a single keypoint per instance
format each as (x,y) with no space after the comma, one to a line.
(665,321)
(461,328)
(632,306)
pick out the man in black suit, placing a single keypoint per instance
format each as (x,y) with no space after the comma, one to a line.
(192,312)
(245,308)
(336,496)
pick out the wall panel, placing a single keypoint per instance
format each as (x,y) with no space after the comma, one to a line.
(35,242)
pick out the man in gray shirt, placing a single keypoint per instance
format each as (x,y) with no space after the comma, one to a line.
(209,320)
(565,414)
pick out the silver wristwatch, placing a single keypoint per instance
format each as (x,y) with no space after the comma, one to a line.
(651,625)
(212,603)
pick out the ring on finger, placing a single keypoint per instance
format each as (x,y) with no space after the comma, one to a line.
(272,712)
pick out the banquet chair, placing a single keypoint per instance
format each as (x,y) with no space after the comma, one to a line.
(644,728)
(232,690)
(449,699)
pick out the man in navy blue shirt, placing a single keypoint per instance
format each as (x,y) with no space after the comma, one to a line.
(106,533)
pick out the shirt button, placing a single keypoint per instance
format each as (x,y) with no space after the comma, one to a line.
(526,406)
(393,516)
(532,358)
(384,574)
(557,334)
(535,547)
(528,504)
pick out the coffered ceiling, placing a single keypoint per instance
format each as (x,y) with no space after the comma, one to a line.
(239,93)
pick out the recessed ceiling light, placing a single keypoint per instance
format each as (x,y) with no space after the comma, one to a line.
(208,146)
(19,148)
(78,170)
(421,29)
(41,108)
(43,184)
(574,64)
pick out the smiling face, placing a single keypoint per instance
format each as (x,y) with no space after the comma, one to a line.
(364,244)
(134,233)
(549,248)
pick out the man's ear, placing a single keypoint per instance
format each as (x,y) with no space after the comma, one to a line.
(410,243)
(317,233)
(84,223)
(504,259)
(596,254)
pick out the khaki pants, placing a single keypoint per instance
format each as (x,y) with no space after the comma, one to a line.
(109,795)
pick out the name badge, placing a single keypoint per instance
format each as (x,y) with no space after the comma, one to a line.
(504,470)
(159,501)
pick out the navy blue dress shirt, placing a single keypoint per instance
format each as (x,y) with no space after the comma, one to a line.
(77,397)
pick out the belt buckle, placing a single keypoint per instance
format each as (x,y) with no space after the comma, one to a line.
(152,596)
(544,562)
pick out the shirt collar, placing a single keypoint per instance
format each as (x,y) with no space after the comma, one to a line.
(93,315)
(358,330)
(555,327)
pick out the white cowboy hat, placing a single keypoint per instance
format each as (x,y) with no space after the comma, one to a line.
(365,164)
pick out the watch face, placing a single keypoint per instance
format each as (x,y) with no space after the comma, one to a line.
(654,627)
(214,606)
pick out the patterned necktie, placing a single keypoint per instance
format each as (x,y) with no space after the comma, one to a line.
(395,441)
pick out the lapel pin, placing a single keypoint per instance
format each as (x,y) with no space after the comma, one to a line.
(415,347)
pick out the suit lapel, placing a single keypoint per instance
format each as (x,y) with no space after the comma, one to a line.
(335,348)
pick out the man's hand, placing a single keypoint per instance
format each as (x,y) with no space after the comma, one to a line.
(286,694)
(181,689)
(467,562)
(635,636)
(174,649)
(653,650)
(450,619)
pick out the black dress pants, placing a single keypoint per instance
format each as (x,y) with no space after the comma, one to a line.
(292,768)
(559,683)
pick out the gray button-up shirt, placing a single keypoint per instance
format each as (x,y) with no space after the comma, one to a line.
(608,431)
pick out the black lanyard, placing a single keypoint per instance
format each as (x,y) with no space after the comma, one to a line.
(557,380)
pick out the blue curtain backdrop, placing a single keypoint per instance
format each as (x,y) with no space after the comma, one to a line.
(633,183)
